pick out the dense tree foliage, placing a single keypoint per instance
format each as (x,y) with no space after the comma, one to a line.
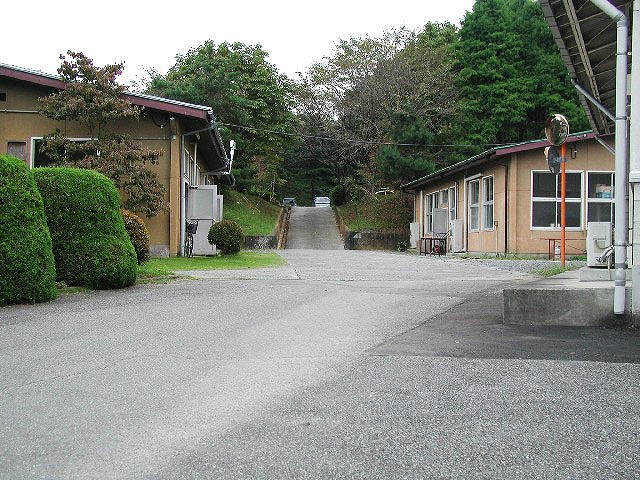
(396,89)
(249,98)
(93,98)
(511,76)
(383,110)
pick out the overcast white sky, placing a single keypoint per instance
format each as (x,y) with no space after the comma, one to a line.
(149,34)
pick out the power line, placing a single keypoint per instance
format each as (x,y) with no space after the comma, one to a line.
(360,142)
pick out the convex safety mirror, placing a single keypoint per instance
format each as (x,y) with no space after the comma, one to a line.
(556,128)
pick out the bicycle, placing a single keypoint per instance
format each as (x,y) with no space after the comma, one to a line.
(191,228)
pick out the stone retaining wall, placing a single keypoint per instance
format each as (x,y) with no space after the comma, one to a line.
(273,241)
(371,239)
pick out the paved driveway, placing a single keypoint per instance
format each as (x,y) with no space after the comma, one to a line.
(314,228)
(340,365)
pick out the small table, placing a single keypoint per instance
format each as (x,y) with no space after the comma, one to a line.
(433,245)
(551,246)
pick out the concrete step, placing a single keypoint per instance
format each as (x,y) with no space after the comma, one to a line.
(563,300)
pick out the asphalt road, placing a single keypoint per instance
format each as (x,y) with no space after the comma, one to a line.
(342,364)
(313,228)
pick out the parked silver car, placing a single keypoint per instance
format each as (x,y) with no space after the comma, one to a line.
(321,202)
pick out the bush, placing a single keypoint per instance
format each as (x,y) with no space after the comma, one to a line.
(138,234)
(227,236)
(90,244)
(26,258)
(338,195)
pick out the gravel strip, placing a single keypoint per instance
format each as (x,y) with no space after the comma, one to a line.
(520,265)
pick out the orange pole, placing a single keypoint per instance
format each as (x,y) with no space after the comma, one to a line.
(563,204)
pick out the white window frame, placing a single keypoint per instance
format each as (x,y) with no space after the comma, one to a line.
(441,197)
(191,171)
(471,207)
(487,203)
(32,154)
(557,200)
(453,203)
(428,216)
(592,200)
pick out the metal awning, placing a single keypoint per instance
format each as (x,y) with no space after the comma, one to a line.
(586,37)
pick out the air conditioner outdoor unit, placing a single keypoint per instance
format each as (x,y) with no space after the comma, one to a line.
(599,237)
(414,237)
(457,243)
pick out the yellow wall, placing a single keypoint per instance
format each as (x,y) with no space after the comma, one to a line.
(19,122)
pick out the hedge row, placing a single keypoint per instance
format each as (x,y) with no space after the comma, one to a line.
(27,271)
(90,244)
(138,234)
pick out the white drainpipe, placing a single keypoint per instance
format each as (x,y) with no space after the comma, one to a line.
(634,158)
(620,238)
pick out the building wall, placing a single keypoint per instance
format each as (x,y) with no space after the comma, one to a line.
(587,156)
(20,122)
(512,183)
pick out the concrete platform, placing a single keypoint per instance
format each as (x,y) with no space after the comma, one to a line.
(591,274)
(564,300)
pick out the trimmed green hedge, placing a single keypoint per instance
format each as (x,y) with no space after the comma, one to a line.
(90,244)
(138,234)
(227,236)
(27,268)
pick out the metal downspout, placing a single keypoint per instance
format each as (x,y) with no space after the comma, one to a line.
(634,161)
(621,224)
(182,198)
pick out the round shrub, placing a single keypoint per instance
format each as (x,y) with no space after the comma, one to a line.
(227,236)
(138,234)
(338,195)
(26,256)
(90,244)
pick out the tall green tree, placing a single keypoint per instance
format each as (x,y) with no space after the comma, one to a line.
(250,99)
(511,76)
(371,89)
(93,98)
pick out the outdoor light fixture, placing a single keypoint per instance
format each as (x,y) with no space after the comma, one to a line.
(160,121)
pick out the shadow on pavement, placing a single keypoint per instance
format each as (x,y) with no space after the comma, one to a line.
(474,329)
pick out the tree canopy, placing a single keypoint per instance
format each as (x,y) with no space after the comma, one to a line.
(93,98)
(380,111)
(249,98)
(511,76)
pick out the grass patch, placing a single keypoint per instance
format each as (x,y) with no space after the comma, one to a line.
(555,270)
(255,215)
(64,289)
(551,271)
(157,267)
(378,212)
(500,256)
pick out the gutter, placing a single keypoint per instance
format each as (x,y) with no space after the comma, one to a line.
(621,223)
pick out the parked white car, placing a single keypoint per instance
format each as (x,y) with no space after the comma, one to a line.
(321,202)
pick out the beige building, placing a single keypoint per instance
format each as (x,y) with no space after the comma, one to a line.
(193,158)
(507,201)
